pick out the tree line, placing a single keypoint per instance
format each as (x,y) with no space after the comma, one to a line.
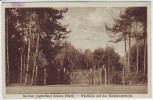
(132,24)
(70,59)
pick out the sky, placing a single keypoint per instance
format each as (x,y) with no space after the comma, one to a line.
(87,25)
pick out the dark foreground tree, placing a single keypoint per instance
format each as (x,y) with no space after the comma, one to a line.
(28,32)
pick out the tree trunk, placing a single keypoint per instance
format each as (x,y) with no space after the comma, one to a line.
(36,73)
(28,56)
(123,75)
(137,58)
(35,57)
(144,56)
(145,47)
(92,77)
(64,70)
(105,76)
(27,67)
(129,53)
(7,54)
(45,76)
(125,69)
(24,64)
(21,70)
(102,75)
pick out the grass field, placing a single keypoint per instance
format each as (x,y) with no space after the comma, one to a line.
(78,89)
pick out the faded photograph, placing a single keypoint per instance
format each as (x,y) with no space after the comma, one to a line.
(76,50)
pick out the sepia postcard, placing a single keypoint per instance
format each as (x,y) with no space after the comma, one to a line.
(76,50)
